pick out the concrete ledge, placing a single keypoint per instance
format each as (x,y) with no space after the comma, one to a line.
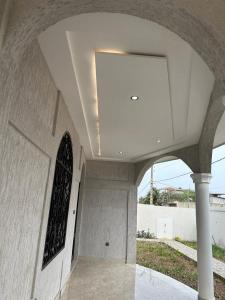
(199,298)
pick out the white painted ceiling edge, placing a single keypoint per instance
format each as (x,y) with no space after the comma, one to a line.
(70,49)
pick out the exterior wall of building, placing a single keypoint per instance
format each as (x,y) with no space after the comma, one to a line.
(109,212)
(186,204)
(34,121)
(217,201)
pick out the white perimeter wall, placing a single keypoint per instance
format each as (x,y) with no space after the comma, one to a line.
(178,222)
(218,226)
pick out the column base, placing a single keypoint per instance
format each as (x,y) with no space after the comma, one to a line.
(199,298)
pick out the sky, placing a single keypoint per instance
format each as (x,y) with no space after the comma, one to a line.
(167,170)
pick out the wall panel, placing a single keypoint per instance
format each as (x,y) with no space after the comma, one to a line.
(33,119)
(22,198)
(109,212)
(105,213)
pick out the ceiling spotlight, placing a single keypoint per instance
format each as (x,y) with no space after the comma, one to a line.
(134,98)
(158,140)
(120,152)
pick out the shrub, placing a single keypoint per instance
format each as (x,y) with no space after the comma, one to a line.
(145,235)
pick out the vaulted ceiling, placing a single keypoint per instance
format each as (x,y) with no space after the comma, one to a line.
(99,61)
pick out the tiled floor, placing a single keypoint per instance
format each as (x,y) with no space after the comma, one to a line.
(100,280)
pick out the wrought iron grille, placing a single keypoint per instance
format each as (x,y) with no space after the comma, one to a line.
(60,199)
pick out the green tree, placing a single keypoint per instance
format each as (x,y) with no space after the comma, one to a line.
(185,196)
(156,196)
(146,199)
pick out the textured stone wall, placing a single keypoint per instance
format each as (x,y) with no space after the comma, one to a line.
(33,118)
(2,7)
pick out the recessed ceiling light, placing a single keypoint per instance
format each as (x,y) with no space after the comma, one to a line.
(120,152)
(134,98)
(158,140)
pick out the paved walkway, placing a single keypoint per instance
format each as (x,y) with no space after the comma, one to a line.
(218,266)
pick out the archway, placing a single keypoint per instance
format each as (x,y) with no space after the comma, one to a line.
(28,21)
(217,186)
(185,21)
(169,221)
(24,30)
(167,184)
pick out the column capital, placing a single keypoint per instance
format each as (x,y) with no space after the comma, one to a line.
(201,177)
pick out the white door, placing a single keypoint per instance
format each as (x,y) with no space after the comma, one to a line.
(164,228)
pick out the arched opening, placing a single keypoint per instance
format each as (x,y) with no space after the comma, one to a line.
(166,219)
(170,224)
(217,187)
(60,200)
(76,235)
(184,22)
(167,184)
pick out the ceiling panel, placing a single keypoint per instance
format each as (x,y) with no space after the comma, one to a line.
(70,47)
(133,127)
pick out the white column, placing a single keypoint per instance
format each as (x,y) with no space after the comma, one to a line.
(204,241)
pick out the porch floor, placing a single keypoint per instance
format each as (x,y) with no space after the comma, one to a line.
(101,280)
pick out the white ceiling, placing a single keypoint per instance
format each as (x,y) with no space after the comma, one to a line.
(99,60)
(123,122)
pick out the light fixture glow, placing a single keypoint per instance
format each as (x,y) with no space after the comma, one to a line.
(110,51)
(134,98)
(158,140)
(120,152)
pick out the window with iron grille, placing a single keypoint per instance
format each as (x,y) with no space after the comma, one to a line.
(60,200)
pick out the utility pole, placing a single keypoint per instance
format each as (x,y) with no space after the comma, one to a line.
(151,185)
